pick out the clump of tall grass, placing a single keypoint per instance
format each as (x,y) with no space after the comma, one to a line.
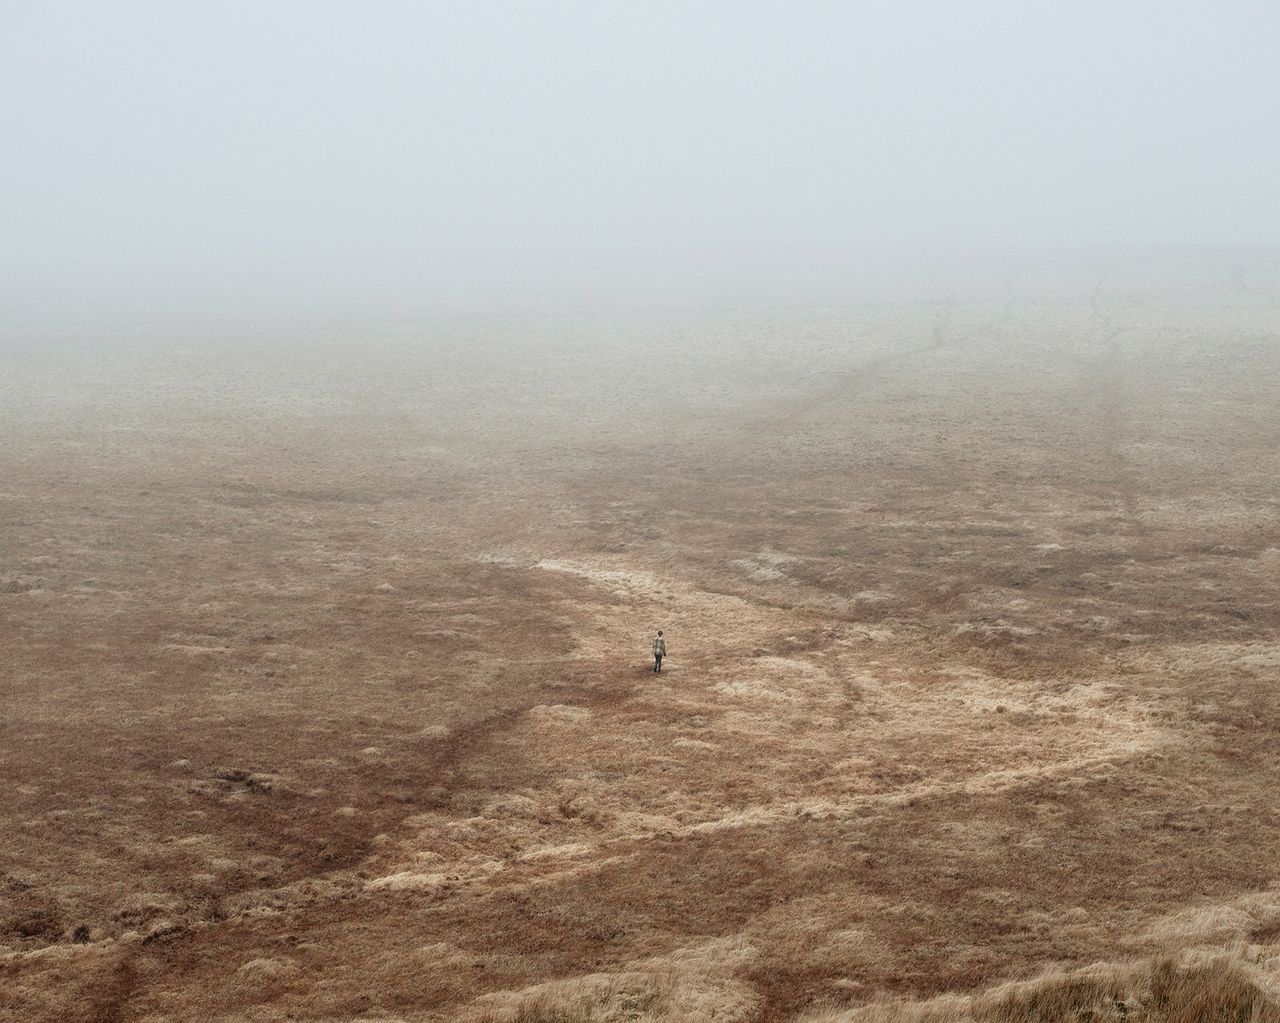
(1154,992)
(590,1000)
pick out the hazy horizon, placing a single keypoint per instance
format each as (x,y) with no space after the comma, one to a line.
(289,159)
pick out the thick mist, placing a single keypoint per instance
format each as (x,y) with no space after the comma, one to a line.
(286,159)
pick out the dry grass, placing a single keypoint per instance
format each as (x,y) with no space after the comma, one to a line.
(1221,991)
(582,1001)
(326,698)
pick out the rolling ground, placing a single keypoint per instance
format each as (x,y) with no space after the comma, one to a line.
(325,690)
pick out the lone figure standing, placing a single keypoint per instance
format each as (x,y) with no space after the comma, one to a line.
(659,651)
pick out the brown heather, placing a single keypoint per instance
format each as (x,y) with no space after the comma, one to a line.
(325,691)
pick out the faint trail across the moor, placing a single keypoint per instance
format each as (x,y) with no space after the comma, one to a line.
(844,385)
(1105,376)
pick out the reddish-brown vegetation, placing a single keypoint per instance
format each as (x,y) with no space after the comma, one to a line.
(326,692)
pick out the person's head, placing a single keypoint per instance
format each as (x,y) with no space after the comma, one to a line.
(659,632)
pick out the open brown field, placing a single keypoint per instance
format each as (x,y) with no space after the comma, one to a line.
(326,691)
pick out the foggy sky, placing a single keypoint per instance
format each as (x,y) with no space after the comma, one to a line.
(194,158)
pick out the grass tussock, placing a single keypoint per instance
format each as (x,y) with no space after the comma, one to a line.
(692,986)
(1158,992)
(640,999)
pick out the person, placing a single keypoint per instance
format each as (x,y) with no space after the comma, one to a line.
(659,651)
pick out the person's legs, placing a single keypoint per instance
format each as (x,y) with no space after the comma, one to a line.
(657,662)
